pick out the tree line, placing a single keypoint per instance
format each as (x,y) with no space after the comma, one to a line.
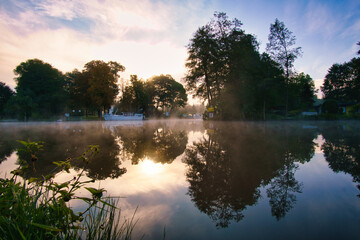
(43,92)
(225,70)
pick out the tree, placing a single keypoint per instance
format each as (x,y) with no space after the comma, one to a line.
(41,84)
(167,93)
(135,97)
(342,82)
(102,79)
(271,87)
(280,49)
(5,94)
(96,86)
(208,60)
(301,92)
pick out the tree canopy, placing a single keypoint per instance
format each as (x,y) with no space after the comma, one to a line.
(96,86)
(342,82)
(167,93)
(5,94)
(40,89)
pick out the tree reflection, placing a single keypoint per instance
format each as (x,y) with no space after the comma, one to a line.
(209,175)
(282,190)
(227,167)
(156,142)
(342,149)
(62,142)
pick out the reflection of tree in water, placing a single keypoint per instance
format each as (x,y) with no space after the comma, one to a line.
(209,175)
(342,150)
(107,162)
(157,142)
(282,189)
(227,168)
(61,143)
(8,143)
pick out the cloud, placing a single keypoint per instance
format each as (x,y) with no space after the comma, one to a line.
(320,19)
(147,37)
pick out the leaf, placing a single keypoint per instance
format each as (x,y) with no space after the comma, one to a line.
(97,193)
(49,228)
(31,180)
(21,234)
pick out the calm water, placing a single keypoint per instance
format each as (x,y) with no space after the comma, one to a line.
(200,180)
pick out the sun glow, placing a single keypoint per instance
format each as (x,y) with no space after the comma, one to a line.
(149,167)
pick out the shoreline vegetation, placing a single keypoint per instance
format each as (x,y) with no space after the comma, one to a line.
(39,208)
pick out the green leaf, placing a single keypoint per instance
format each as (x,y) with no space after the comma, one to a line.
(31,180)
(21,234)
(49,228)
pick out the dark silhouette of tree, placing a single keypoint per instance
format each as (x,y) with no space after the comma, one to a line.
(302,92)
(40,89)
(208,60)
(167,93)
(226,70)
(5,94)
(342,82)
(280,48)
(96,86)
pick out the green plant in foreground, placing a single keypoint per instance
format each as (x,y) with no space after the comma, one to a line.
(38,208)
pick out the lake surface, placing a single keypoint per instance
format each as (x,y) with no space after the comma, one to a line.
(212,180)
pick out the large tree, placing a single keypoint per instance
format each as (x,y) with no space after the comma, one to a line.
(301,91)
(281,49)
(208,60)
(136,97)
(342,82)
(42,85)
(167,94)
(5,94)
(96,86)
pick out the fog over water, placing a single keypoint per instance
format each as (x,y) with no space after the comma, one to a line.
(212,180)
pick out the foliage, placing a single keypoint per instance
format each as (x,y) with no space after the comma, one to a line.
(167,93)
(136,97)
(208,58)
(302,90)
(342,82)
(38,208)
(40,89)
(227,71)
(158,93)
(96,86)
(281,40)
(330,106)
(5,94)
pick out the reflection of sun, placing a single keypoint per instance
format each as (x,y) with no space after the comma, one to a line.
(149,167)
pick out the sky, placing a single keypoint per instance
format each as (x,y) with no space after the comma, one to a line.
(149,37)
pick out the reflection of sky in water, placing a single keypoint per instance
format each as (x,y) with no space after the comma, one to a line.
(325,207)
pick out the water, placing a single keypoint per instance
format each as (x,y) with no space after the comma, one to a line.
(201,180)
